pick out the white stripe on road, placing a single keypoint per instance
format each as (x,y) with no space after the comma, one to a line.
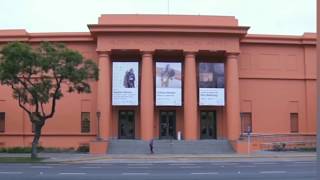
(71,173)
(265,163)
(272,172)
(41,167)
(139,164)
(304,162)
(141,167)
(181,164)
(189,167)
(90,167)
(205,173)
(135,174)
(224,164)
(11,172)
(246,166)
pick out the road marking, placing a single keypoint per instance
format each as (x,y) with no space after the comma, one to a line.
(304,162)
(272,172)
(54,164)
(139,164)
(205,173)
(138,167)
(224,164)
(246,166)
(181,164)
(135,174)
(264,163)
(71,173)
(41,167)
(11,172)
(90,167)
(189,167)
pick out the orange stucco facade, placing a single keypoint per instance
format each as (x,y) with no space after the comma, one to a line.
(268,76)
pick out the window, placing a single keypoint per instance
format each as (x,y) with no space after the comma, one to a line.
(294,121)
(85,122)
(246,122)
(2,121)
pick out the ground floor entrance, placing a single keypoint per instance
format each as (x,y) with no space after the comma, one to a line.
(208,125)
(167,125)
(126,124)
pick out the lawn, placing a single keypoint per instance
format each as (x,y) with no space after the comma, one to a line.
(19,160)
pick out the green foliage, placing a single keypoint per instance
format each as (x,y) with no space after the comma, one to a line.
(37,75)
(20,160)
(83,148)
(18,149)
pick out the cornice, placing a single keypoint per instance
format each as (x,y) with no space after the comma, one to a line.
(143,28)
(22,35)
(306,39)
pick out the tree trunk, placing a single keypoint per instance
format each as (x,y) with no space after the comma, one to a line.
(37,134)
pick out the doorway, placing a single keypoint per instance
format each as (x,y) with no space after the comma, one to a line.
(208,125)
(126,124)
(167,126)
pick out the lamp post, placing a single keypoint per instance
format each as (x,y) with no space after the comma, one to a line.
(98,125)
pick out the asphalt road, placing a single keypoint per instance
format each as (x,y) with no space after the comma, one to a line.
(293,170)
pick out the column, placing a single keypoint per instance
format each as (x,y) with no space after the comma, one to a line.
(190,98)
(104,95)
(147,97)
(233,98)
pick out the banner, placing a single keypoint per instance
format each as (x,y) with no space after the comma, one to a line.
(125,83)
(168,84)
(211,84)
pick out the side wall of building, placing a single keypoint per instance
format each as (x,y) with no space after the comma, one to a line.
(276,80)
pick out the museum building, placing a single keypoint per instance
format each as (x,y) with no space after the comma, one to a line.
(177,77)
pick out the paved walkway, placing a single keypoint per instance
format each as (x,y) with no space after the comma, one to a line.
(159,158)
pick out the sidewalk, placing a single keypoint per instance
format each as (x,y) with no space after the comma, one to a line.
(165,158)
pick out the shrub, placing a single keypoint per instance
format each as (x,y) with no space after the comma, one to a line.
(83,148)
(279,147)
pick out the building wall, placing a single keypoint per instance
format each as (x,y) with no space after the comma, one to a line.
(277,76)
(276,80)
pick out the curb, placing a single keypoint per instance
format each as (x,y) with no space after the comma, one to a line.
(180,158)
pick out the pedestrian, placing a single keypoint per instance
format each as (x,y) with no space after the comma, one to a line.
(151,146)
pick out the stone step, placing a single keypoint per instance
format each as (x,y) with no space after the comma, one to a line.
(170,147)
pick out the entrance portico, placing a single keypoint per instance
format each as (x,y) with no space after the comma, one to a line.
(149,43)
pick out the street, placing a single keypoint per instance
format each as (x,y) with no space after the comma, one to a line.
(293,170)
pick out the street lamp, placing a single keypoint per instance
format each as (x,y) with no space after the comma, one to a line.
(98,114)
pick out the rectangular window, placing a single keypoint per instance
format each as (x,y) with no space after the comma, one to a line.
(294,121)
(2,121)
(246,122)
(85,122)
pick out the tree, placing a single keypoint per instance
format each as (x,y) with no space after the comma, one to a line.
(38,78)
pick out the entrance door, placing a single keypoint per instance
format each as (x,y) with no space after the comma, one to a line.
(167,124)
(126,125)
(208,125)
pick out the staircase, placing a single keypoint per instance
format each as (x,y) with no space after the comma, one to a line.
(170,147)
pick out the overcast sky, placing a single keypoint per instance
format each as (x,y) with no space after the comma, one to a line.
(263,16)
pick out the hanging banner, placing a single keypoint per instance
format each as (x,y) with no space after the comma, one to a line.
(125,83)
(211,84)
(168,84)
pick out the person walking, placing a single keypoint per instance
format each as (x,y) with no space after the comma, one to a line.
(151,146)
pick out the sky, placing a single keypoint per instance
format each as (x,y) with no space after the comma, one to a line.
(287,17)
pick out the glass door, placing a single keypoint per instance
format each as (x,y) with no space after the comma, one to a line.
(167,125)
(208,125)
(126,125)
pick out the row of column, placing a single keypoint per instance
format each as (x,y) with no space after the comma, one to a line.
(104,100)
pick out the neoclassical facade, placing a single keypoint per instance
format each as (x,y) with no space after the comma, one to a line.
(177,77)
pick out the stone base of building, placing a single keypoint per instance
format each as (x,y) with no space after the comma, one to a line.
(98,147)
